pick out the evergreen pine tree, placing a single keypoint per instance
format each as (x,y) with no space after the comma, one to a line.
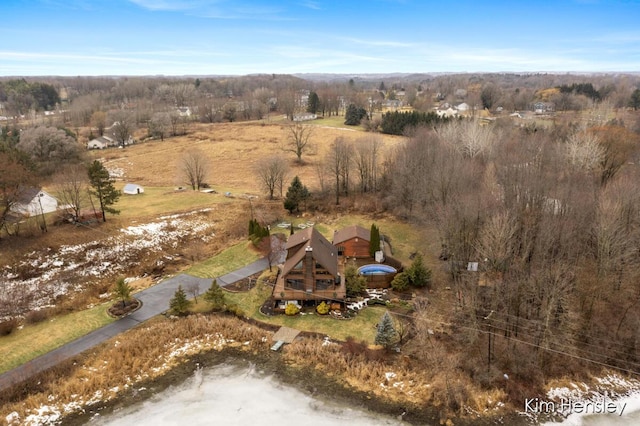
(296,194)
(103,188)
(386,334)
(374,240)
(122,291)
(419,274)
(179,303)
(215,295)
(313,104)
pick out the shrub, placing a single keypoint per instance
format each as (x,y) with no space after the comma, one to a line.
(8,326)
(291,309)
(322,308)
(355,282)
(400,282)
(35,317)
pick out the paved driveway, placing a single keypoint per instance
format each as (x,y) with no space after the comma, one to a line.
(155,300)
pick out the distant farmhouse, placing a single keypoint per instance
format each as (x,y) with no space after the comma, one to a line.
(35,201)
(102,142)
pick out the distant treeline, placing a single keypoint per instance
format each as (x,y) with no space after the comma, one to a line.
(24,96)
(395,123)
(585,89)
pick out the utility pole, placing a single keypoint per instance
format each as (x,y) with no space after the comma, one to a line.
(44,221)
(489,334)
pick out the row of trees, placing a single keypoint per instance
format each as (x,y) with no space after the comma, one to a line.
(154,102)
(550,218)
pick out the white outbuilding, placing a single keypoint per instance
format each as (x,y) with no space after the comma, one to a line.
(132,189)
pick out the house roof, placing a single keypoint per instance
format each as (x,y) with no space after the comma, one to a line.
(322,251)
(27,195)
(103,139)
(299,237)
(350,232)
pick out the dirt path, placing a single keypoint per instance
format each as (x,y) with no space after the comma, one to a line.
(155,300)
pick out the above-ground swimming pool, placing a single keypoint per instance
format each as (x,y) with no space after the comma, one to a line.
(376,269)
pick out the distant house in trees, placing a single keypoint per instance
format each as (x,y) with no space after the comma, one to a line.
(310,272)
(132,189)
(352,241)
(34,201)
(101,143)
(542,107)
(184,111)
(307,116)
(463,107)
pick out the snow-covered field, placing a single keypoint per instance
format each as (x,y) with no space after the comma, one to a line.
(43,275)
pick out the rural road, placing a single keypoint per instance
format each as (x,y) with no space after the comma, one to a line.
(155,300)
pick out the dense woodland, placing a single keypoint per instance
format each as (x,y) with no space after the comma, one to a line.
(550,212)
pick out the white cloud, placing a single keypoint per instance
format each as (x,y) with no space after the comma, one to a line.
(174,5)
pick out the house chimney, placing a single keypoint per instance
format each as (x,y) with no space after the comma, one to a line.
(308,269)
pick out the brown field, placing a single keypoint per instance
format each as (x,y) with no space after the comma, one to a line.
(233,150)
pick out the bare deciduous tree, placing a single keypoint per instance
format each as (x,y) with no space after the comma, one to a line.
(72,184)
(339,160)
(584,151)
(14,180)
(469,137)
(99,121)
(123,128)
(192,288)
(272,172)
(298,139)
(195,168)
(366,153)
(159,124)
(48,146)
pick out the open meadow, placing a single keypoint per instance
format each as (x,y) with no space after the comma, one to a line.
(232,150)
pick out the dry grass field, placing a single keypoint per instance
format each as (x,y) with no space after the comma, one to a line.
(233,150)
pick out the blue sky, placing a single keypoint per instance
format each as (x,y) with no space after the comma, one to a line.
(206,37)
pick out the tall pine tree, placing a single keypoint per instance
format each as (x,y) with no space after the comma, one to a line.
(374,240)
(103,188)
(296,194)
(179,303)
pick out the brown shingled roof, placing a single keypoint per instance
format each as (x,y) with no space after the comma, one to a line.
(323,251)
(351,232)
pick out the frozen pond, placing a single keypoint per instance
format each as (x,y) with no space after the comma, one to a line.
(630,416)
(232,395)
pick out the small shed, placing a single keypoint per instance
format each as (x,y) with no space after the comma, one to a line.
(353,241)
(132,189)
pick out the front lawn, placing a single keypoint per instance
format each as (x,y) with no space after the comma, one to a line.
(34,340)
(229,260)
(361,327)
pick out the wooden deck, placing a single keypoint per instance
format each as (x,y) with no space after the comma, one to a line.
(285,334)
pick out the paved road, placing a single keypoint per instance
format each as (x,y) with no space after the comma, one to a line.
(155,300)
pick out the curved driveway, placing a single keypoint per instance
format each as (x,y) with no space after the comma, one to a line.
(155,300)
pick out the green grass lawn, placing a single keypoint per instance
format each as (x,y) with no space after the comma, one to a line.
(34,340)
(158,200)
(362,327)
(226,261)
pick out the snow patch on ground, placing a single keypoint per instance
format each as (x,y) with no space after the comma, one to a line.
(44,275)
